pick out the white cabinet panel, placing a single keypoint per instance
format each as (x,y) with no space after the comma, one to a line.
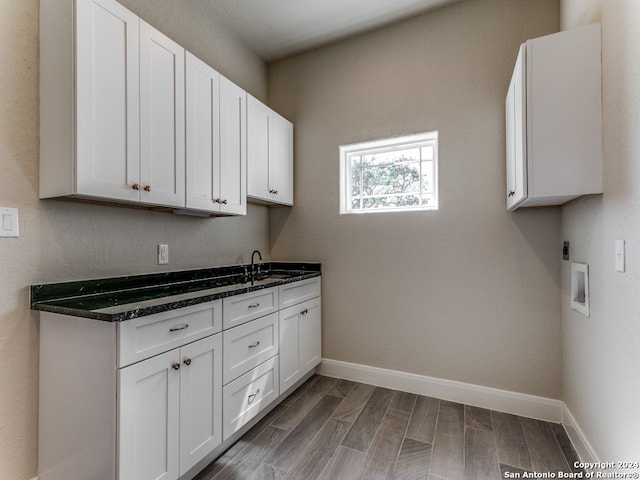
(300,341)
(269,154)
(281,159)
(203,134)
(231,189)
(248,345)
(144,337)
(162,147)
(149,418)
(107,102)
(200,400)
(241,308)
(247,395)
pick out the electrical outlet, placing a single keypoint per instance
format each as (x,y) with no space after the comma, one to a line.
(163,254)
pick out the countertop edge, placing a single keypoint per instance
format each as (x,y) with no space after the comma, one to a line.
(166,304)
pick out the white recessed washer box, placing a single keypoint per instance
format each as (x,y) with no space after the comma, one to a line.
(580,287)
(8,222)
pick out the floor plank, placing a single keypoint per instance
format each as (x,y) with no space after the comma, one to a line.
(422,425)
(413,461)
(304,403)
(290,449)
(383,453)
(447,458)
(510,442)
(364,428)
(544,450)
(315,458)
(568,451)
(403,401)
(480,458)
(246,462)
(346,464)
(476,417)
(342,388)
(354,402)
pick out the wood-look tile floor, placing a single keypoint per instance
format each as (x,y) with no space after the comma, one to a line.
(331,429)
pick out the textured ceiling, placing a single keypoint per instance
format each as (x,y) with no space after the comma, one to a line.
(278,28)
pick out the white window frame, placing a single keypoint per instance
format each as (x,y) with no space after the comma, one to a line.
(384,146)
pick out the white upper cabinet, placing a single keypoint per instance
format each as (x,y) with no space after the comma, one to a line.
(270,154)
(231,188)
(554,120)
(162,147)
(115,131)
(203,134)
(216,141)
(106,102)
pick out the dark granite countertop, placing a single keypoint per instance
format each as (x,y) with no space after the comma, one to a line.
(122,298)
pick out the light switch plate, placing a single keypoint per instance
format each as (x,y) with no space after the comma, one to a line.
(620,256)
(163,254)
(9,222)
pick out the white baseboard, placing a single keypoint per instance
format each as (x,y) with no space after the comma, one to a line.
(531,406)
(521,404)
(579,440)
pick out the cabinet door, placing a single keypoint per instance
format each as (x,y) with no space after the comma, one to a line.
(107,92)
(310,334)
(200,400)
(162,122)
(148,419)
(203,134)
(231,186)
(289,331)
(257,149)
(280,159)
(269,154)
(515,106)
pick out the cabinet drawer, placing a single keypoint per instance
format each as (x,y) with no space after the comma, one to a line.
(292,293)
(247,346)
(239,309)
(246,396)
(145,337)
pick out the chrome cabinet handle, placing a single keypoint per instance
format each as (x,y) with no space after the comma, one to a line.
(147,188)
(136,186)
(304,312)
(273,192)
(176,366)
(254,345)
(187,361)
(511,193)
(179,327)
(219,200)
(252,397)
(254,305)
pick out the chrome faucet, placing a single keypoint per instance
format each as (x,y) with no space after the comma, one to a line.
(253,263)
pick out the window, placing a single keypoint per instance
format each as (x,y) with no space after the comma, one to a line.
(394,174)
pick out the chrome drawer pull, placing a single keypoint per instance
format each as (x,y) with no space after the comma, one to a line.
(187,361)
(176,366)
(254,305)
(304,312)
(254,345)
(252,397)
(179,327)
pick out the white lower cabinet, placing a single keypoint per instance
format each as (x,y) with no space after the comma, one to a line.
(300,341)
(169,411)
(248,394)
(158,396)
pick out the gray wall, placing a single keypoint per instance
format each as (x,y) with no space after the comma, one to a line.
(469,292)
(63,240)
(602,353)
